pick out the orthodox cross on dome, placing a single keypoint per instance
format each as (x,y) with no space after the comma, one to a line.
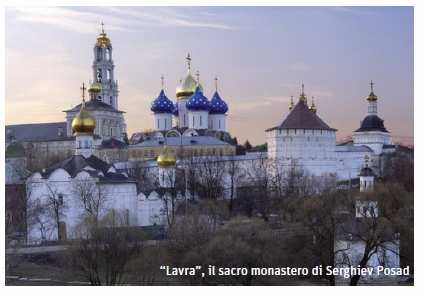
(371,85)
(291,104)
(83,88)
(162,81)
(302,95)
(302,89)
(188,58)
(215,83)
(102,27)
(197,74)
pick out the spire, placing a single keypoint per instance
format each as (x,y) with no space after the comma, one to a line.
(188,58)
(162,81)
(313,106)
(371,86)
(291,104)
(197,74)
(215,83)
(303,97)
(102,27)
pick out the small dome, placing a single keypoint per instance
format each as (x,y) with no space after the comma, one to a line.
(198,102)
(187,88)
(166,158)
(372,97)
(83,122)
(102,40)
(95,88)
(162,104)
(217,105)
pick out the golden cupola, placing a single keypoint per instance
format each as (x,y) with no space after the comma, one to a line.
(102,39)
(95,88)
(303,97)
(372,96)
(83,122)
(188,85)
(166,158)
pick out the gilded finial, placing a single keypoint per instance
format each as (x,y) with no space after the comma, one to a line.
(215,83)
(291,104)
(303,97)
(102,27)
(372,97)
(313,106)
(188,58)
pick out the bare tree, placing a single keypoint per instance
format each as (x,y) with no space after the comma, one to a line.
(91,197)
(104,257)
(235,173)
(55,207)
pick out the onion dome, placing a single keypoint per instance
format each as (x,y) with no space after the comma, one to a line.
(166,158)
(83,122)
(95,88)
(102,39)
(372,123)
(372,96)
(217,105)
(198,102)
(162,104)
(188,85)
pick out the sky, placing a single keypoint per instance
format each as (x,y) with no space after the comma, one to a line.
(261,55)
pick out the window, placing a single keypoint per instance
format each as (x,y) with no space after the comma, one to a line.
(60,199)
(108,55)
(111,131)
(98,54)
(99,75)
(111,100)
(201,121)
(109,74)
(219,124)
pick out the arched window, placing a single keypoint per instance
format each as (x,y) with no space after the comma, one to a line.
(111,131)
(99,75)
(109,74)
(108,55)
(98,54)
(111,100)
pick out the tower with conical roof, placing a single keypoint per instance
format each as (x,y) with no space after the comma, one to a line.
(103,70)
(303,140)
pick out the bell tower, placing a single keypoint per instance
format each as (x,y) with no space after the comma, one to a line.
(103,70)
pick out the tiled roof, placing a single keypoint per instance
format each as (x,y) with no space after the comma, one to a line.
(37,132)
(372,123)
(95,104)
(300,117)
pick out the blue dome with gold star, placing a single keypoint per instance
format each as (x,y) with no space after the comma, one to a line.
(162,104)
(217,105)
(198,102)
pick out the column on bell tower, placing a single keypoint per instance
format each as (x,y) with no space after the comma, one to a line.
(103,70)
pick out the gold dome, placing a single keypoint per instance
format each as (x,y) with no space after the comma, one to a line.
(102,40)
(188,85)
(166,158)
(372,97)
(187,88)
(95,88)
(83,122)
